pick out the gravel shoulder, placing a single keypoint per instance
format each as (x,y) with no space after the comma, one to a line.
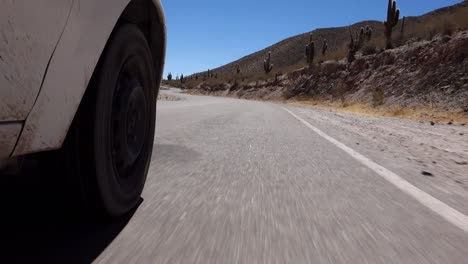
(165,96)
(432,157)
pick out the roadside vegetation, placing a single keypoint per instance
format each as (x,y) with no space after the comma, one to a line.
(308,67)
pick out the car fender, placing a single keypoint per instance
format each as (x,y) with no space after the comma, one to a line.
(71,68)
(29,32)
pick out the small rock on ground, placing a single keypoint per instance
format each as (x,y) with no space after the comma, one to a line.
(426,173)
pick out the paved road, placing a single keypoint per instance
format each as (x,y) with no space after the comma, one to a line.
(236,181)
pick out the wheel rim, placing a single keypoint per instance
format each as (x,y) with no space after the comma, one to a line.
(130,119)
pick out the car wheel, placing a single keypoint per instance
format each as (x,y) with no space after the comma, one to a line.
(110,142)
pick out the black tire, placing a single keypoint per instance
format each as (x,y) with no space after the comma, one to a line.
(110,143)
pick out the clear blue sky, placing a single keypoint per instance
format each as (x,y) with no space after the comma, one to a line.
(205,34)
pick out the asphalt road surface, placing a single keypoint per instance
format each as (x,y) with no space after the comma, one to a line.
(236,181)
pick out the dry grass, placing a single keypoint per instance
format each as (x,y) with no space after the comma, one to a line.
(340,93)
(435,24)
(240,79)
(418,114)
(376,44)
(335,55)
(167,97)
(173,83)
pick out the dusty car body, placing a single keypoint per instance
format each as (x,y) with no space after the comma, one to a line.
(49,52)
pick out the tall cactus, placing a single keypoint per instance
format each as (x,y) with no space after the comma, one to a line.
(352,47)
(267,66)
(368,33)
(393,15)
(310,51)
(361,38)
(402,28)
(324,47)
(238,69)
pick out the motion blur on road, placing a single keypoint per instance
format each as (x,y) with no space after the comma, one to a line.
(236,181)
(273,132)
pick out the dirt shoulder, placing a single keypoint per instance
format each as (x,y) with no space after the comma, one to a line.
(424,114)
(433,157)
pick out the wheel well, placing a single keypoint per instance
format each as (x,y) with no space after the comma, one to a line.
(66,85)
(150,21)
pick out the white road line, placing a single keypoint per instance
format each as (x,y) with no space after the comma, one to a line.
(453,216)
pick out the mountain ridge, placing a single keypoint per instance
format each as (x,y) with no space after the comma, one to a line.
(289,53)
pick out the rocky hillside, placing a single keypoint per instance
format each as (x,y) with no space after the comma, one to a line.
(289,53)
(416,75)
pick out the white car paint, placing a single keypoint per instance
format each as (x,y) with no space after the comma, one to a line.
(88,28)
(27,40)
(8,134)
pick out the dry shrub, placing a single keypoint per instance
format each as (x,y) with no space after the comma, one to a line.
(388,58)
(235,85)
(330,67)
(377,41)
(430,34)
(369,49)
(359,65)
(341,89)
(399,39)
(378,97)
(336,55)
(296,68)
(448,28)
(398,111)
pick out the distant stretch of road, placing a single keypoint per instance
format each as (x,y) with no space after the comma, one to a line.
(236,181)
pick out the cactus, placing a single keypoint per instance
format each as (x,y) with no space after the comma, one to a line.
(368,33)
(324,47)
(310,51)
(238,69)
(361,38)
(169,77)
(352,48)
(208,74)
(267,66)
(393,15)
(182,80)
(402,26)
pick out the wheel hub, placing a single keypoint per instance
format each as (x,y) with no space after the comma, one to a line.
(129,123)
